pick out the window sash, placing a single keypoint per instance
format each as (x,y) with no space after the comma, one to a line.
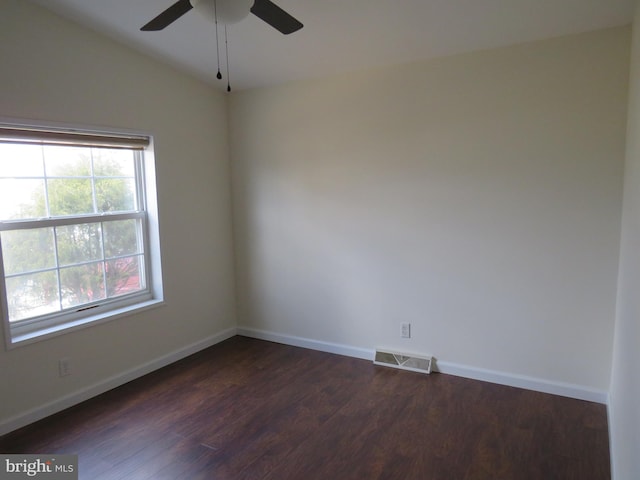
(6,225)
(65,313)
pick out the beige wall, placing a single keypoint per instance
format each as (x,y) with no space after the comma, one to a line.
(477,197)
(51,69)
(624,405)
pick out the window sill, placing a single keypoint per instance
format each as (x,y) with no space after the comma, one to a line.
(18,340)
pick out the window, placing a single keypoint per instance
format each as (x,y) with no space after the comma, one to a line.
(78,241)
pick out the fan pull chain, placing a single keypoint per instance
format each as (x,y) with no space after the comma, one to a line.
(226,45)
(215,12)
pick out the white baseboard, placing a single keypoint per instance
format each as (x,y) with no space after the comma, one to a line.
(512,380)
(613,448)
(103,386)
(328,347)
(578,392)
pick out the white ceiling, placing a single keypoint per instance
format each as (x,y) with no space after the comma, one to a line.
(340,35)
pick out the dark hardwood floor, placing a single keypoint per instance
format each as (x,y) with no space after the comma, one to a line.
(248,409)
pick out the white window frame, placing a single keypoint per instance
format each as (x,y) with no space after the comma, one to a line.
(40,328)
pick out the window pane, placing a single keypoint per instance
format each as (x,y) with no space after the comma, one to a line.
(27,250)
(124,275)
(121,238)
(21,199)
(113,162)
(79,243)
(67,161)
(115,195)
(21,160)
(32,295)
(81,284)
(70,196)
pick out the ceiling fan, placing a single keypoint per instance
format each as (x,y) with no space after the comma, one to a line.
(227,12)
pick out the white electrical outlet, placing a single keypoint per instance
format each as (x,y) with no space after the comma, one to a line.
(64,367)
(405,330)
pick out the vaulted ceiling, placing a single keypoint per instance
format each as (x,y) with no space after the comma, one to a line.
(339,35)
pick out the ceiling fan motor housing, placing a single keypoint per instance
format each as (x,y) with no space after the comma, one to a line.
(225,11)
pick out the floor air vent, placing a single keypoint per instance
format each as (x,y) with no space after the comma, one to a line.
(405,361)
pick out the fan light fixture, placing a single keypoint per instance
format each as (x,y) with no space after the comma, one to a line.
(226,12)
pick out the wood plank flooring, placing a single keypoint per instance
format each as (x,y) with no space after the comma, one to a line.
(246,409)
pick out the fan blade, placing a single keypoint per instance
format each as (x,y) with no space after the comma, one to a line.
(169,16)
(276,17)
